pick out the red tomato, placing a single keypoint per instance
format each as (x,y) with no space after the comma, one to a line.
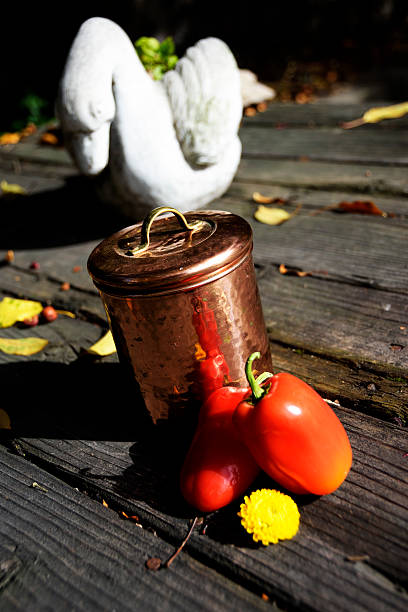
(295,437)
(218,467)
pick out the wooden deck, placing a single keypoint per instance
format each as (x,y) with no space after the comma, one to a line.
(80,453)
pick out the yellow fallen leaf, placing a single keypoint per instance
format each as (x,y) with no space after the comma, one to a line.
(22,346)
(13,310)
(378,113)
(271,216)
(104,346)
(5,422)
(385,112)
(261,199)
(66,313)
(11,188)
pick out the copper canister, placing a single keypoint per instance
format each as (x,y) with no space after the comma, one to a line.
(183,305)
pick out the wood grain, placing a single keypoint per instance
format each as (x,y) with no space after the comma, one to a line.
(365,517)
(61,550)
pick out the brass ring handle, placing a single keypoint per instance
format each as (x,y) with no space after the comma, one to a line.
(148,222)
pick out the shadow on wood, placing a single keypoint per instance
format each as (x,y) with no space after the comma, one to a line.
(57,217)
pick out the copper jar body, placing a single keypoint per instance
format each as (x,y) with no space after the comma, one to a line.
(184,341)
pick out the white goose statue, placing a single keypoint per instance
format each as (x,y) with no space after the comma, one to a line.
(172,142)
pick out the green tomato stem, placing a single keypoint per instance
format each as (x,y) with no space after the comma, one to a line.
(255,383)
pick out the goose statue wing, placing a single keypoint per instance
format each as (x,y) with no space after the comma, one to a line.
(204,92)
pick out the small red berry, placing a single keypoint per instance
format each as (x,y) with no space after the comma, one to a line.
(34,265)
(49,313)
(32,321)
(65,287)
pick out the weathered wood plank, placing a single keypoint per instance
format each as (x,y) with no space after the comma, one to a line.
(81,299)
(340,246)
(373,146)
(315,200)
(320,113)
(61,550)
(356,324)
(361,179)
(370,392)
(31,150)
(366,516)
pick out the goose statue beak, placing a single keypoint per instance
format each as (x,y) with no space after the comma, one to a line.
(91,149)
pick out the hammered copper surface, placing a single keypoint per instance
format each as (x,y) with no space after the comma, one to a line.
(158,336)
(191,332)
(176,259)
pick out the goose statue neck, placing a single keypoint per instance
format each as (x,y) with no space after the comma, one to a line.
(173,141)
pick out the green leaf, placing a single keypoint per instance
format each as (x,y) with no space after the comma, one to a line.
(157,72)
(156,57)
(172,61)
(147,44)
(167,47)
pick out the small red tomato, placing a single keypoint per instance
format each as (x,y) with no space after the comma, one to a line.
(32,321)
(49,313)
(294,435)
(218,467)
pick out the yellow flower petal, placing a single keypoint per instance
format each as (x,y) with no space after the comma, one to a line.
(269,516)
(13,310)
(104,346)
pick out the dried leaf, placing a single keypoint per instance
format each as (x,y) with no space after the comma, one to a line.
(22,346)
(66,313)
(49,138)
(13,310)
(293,271)
(261,199)
(373,115)
(362,207)
(10,138)
(5,422)
(12,188)
(376,114)
(271,216)
(104,346)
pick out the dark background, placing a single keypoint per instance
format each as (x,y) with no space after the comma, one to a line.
(356,37)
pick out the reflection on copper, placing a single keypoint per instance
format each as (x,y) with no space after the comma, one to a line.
(212,369)
(182,326)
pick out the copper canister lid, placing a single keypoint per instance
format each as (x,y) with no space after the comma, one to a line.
(172,253)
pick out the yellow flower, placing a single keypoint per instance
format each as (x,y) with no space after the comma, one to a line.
(270,516)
